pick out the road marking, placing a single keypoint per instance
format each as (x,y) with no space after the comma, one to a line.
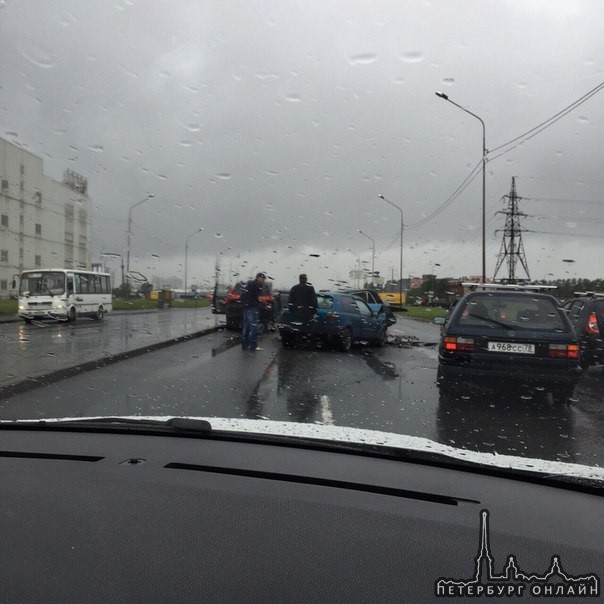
(326,415)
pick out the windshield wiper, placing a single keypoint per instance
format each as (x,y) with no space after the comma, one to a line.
(173,424)
(494,321)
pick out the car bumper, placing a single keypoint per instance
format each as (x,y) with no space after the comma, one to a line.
(561,374)
(42,314)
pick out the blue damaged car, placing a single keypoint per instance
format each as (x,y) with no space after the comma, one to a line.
(341,320)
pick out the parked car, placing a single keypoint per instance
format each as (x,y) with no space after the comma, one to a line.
(586,313)
(496,335)
(341,320)
(234,310)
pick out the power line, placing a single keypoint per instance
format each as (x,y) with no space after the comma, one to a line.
(566,234)
(547,123)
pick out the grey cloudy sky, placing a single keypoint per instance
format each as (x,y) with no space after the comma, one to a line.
(274,125)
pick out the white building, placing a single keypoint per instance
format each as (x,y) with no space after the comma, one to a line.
(43,223)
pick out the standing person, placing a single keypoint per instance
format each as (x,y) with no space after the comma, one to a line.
(250,299)
(303,300)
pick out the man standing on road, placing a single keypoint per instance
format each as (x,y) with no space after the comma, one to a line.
(303,300)
(250,300)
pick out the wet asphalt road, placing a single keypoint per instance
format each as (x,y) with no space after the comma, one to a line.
(391,389)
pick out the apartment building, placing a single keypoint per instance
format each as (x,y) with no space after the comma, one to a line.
(43,222)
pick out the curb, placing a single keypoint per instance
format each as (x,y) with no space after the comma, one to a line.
(62,374)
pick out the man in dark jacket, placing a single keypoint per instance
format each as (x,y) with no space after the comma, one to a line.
(303,300)
(250,301)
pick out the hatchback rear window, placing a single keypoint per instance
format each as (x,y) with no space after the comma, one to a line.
(517,312)
(324,301)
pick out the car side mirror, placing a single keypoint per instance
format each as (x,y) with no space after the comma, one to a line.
(439,320)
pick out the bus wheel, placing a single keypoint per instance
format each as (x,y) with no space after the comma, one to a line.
(100,314)
(71,317)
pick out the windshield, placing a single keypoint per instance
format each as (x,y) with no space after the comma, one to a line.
(400,150)
(42,284)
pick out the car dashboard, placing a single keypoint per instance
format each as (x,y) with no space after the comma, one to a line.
(107,516)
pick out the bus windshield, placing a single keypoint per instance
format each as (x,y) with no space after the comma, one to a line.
(42,284)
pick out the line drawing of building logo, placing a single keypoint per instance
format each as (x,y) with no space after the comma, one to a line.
(513,581)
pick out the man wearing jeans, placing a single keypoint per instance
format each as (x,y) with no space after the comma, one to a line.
(250,295)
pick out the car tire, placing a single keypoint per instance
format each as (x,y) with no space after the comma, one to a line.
(71,315)
(345,340)
(287,340)
(27,320)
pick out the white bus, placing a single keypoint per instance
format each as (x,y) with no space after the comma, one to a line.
(64,294)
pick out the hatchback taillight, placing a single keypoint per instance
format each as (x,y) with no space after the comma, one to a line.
(459,344)
(332,317)
(592,326)
(564,351)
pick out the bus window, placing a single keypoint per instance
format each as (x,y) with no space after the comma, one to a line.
(69,285)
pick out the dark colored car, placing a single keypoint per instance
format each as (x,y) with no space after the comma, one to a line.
(503,336)
(341,320)
(234,310)
(586,313)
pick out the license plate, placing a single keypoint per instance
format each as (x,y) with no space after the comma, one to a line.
(515,347)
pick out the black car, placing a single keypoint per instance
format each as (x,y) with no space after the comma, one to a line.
(586,313)
(509,336)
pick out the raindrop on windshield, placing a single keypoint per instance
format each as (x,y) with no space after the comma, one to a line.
(412,56)
(363,59)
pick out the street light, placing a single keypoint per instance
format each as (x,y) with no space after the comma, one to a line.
(114,255)
(434,265)
(400,287)
(138,203)
(187,254)
(442,95)
(372,255)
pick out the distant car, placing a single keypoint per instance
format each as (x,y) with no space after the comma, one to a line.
(341,320)
(234,309)
(586,313)
(504,337)
(394,299)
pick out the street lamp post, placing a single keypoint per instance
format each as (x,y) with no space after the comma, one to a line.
(138,203)
(372,255)
(187,254)
(434,265)
(400,287)
(442,95)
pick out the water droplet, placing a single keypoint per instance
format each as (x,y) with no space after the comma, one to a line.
(37,55)
(448,81)
(96,148)
(293,98)
(412,56)
(186,143)
(219,236)
(66,19)
(224,176)
(363,59)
